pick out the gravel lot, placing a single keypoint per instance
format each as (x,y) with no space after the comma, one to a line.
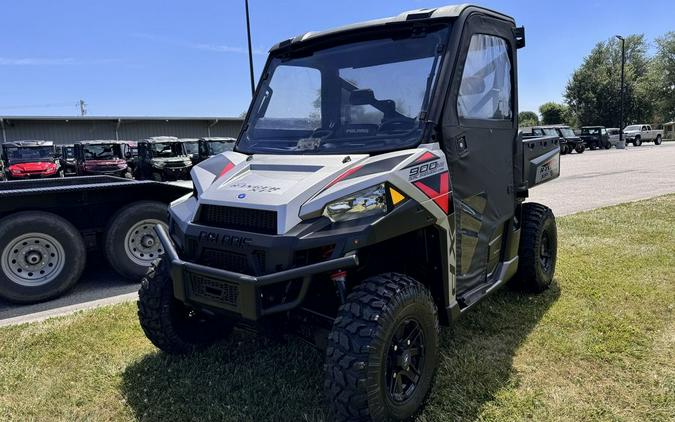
(589,180)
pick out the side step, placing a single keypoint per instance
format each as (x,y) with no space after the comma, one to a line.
(473,296)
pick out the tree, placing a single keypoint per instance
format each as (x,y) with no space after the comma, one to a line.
(660,82)
(528,118)
(593,93)
(553,113)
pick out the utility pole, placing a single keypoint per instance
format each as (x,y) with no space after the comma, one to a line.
(623,64)
(250,51)
(83,108)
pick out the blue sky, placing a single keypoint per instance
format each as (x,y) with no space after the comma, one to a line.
(170,58)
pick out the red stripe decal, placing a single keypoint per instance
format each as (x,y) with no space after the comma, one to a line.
(227,168)
(440,198)
(343,176)
(425,157)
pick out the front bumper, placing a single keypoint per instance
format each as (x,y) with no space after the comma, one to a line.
(238,293)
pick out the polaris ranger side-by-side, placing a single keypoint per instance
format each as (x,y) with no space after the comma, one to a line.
(31,160)
(162,158)
(376,190)
(208,147)
(101,157)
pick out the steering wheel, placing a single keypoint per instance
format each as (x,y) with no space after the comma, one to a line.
(397,124)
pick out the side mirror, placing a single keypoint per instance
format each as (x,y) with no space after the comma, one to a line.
(361,97)
(472,85)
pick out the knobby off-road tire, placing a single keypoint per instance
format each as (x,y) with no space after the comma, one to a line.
(371,365)
(169,324)
(41,255)
(538,248)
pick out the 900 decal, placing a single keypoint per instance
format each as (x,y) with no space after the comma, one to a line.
(426,169)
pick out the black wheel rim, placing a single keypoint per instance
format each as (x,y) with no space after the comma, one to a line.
(405,361)
(546,252)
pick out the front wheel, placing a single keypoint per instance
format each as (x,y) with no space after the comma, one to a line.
(538,247)
(170,325)
(637,142)
(382,352)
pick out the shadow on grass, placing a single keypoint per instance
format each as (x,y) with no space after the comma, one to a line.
(247,378)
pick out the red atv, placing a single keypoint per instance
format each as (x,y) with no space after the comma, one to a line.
(101,158)
(31,160)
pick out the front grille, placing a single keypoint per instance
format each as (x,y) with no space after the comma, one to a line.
(211,290)
(244,219)
(233,261)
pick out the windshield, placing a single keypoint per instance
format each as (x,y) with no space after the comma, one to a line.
(29,153)
(101,152)
(567,132)
(360,97)
(217,147)
(191,147)
(166,149)
(632,128)
(591,131)
(549,131)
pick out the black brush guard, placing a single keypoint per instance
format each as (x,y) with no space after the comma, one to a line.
(241,292)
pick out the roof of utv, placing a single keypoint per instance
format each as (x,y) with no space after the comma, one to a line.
(418,15)
(32,143)
(99,142)
(218,139)
(161,139)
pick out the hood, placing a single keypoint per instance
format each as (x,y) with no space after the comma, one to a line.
(96,163)
(631,132)
(34,167)
(291,185)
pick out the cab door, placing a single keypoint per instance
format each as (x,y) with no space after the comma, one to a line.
(479,138)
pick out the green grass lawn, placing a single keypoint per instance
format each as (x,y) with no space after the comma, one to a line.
(598,345)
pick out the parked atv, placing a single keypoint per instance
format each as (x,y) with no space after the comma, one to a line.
(101,157)
(208,147)
(162,158)
(595,137)
(66,154)
(191,147)
(391,202)
(31,160)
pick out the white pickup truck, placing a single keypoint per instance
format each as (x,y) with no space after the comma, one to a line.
(637,134)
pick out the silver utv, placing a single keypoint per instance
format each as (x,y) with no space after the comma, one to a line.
(376,190)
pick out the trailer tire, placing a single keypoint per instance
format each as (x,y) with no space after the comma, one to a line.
(538,248)
(168,323)
(42,256)
(657,141)
(130,243)
(369,355)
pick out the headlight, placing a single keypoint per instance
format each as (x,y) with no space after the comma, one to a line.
(364,203)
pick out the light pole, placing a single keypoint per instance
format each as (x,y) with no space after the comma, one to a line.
(250,51)
(623,63)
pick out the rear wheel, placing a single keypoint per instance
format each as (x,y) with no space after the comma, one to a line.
(42,256)
(657,141)
(383,350)
(538,247)
(580,148)
(130,243)
(168,323)
(607,145)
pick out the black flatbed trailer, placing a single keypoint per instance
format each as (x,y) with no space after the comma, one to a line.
(48,225)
